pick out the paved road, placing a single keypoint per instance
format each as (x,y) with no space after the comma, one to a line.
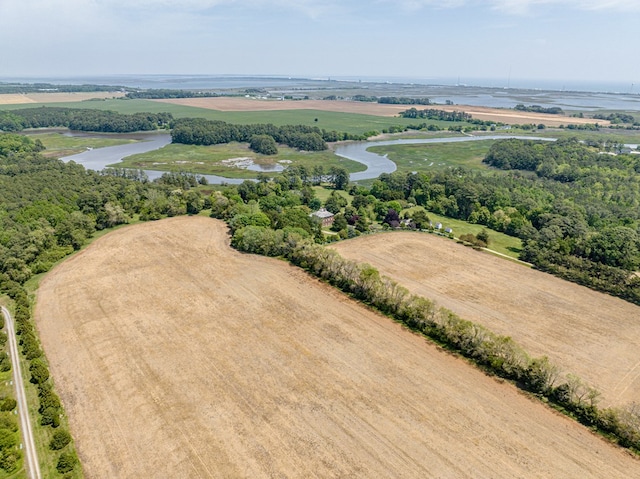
(30,454)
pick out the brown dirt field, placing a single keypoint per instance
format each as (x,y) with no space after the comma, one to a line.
(366,108)
(17,99)
(590,334)
(176,356)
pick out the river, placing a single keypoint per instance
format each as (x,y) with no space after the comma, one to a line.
(99,158)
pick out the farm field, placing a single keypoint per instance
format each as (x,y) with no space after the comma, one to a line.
(30,99)
(369,108)
(176,356)
(586,333)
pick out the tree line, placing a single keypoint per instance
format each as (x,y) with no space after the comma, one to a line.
(82,120)
(553,110)
(197,131)
(434,114)
(163,93)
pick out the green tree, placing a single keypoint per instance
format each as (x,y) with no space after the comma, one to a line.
(59,439)
(335,202)
(264,144)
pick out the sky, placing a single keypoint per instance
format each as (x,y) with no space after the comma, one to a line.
(563,40)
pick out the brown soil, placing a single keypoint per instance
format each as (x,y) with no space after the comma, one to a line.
(16,99)
(176,356)
(586,333)
(367,108)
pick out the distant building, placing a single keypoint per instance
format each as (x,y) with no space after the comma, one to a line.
(448,230)
(326,217)
(438,226)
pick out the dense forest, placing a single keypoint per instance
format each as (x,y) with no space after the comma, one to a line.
(554,110)
(82,119)
(576,209)
(617,118)
(196,131)
(434,114)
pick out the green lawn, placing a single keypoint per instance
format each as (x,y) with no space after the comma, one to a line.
(209,159)
(500,242)
(437,156)
(323,193)
(59,145)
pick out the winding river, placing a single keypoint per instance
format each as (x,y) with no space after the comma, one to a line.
(98,159)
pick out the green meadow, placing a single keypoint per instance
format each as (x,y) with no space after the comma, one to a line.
(437,156)
(212,160)
(500,242)
(59,145)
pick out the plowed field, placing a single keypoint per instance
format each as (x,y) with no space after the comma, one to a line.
(17,98)
(586,333)
(176,356)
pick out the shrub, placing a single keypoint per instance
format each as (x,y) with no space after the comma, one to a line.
(67,462)
(7,404)
(59,440)
(50,417)
(8,421)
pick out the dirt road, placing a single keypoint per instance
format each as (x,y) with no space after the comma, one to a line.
(29,448)
(176,356)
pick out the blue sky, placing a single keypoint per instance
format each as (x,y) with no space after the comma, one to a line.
(564,40)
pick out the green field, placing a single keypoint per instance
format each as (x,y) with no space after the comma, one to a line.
(59,145)
(500,242)
(349,122)
(209,159)
(436,156)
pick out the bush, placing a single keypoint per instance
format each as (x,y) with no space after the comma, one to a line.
(8,460)
(8,421)
(67,462)
(39,371)
(7,404)
(59,440)
(50,417)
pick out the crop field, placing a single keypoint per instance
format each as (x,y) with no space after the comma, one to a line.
(223,159)
(176,356)
(31,99)
(498,115)
(586,333)
(432,157)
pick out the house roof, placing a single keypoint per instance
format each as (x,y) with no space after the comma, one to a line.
(322,213)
